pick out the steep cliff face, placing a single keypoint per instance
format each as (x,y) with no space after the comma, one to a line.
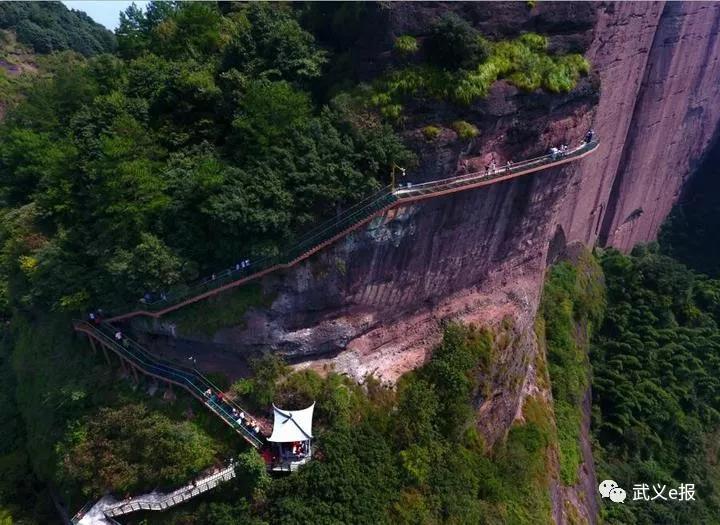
(619,52)
(374,302)
(674,120)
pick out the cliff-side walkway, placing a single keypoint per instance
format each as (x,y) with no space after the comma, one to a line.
(107,507)
(135,359)
(348,221)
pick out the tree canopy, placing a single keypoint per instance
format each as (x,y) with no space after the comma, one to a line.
(50,26)
(196,146)
(655,386)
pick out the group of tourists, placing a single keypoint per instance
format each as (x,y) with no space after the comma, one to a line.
(492,167)
(240,417)
(245,263)
(558,152)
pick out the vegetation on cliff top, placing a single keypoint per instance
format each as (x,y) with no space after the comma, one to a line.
(50,26)
(461,66)
(196,145)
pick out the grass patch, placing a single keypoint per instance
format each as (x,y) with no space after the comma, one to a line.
(226,309)
(431,133)
(465,130)
(406,45)
(524,62)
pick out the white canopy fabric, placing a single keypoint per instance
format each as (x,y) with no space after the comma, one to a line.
(292,425)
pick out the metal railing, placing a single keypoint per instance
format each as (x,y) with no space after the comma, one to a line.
(189,379)
(174,498)
(317,235)
(380,200)
(516,168)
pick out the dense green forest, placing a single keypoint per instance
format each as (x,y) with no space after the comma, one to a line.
(50,26)
(206,132)
(652,327)
(656,392)
(197,144)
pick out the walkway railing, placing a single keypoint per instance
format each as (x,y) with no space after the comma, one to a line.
(165,501)
(104,510)
(338,227)
(189,379)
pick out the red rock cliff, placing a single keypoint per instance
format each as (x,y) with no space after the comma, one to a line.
(373,302)
(658,112)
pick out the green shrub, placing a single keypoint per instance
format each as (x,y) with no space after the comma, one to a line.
(260,389)
(431,132)
(131,448)
(453,43)
(406,45)
(465,130)
(466,76)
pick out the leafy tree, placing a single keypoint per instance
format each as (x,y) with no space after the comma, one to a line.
(454,44)
(269,43)
(129,447)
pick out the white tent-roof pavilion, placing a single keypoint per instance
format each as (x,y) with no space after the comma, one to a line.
(292,425)
(292,434)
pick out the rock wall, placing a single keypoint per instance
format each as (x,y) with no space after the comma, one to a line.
(374,302)
(674,120)
(619,52)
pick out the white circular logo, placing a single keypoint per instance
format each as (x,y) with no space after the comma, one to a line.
(606,486)
(617,495)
